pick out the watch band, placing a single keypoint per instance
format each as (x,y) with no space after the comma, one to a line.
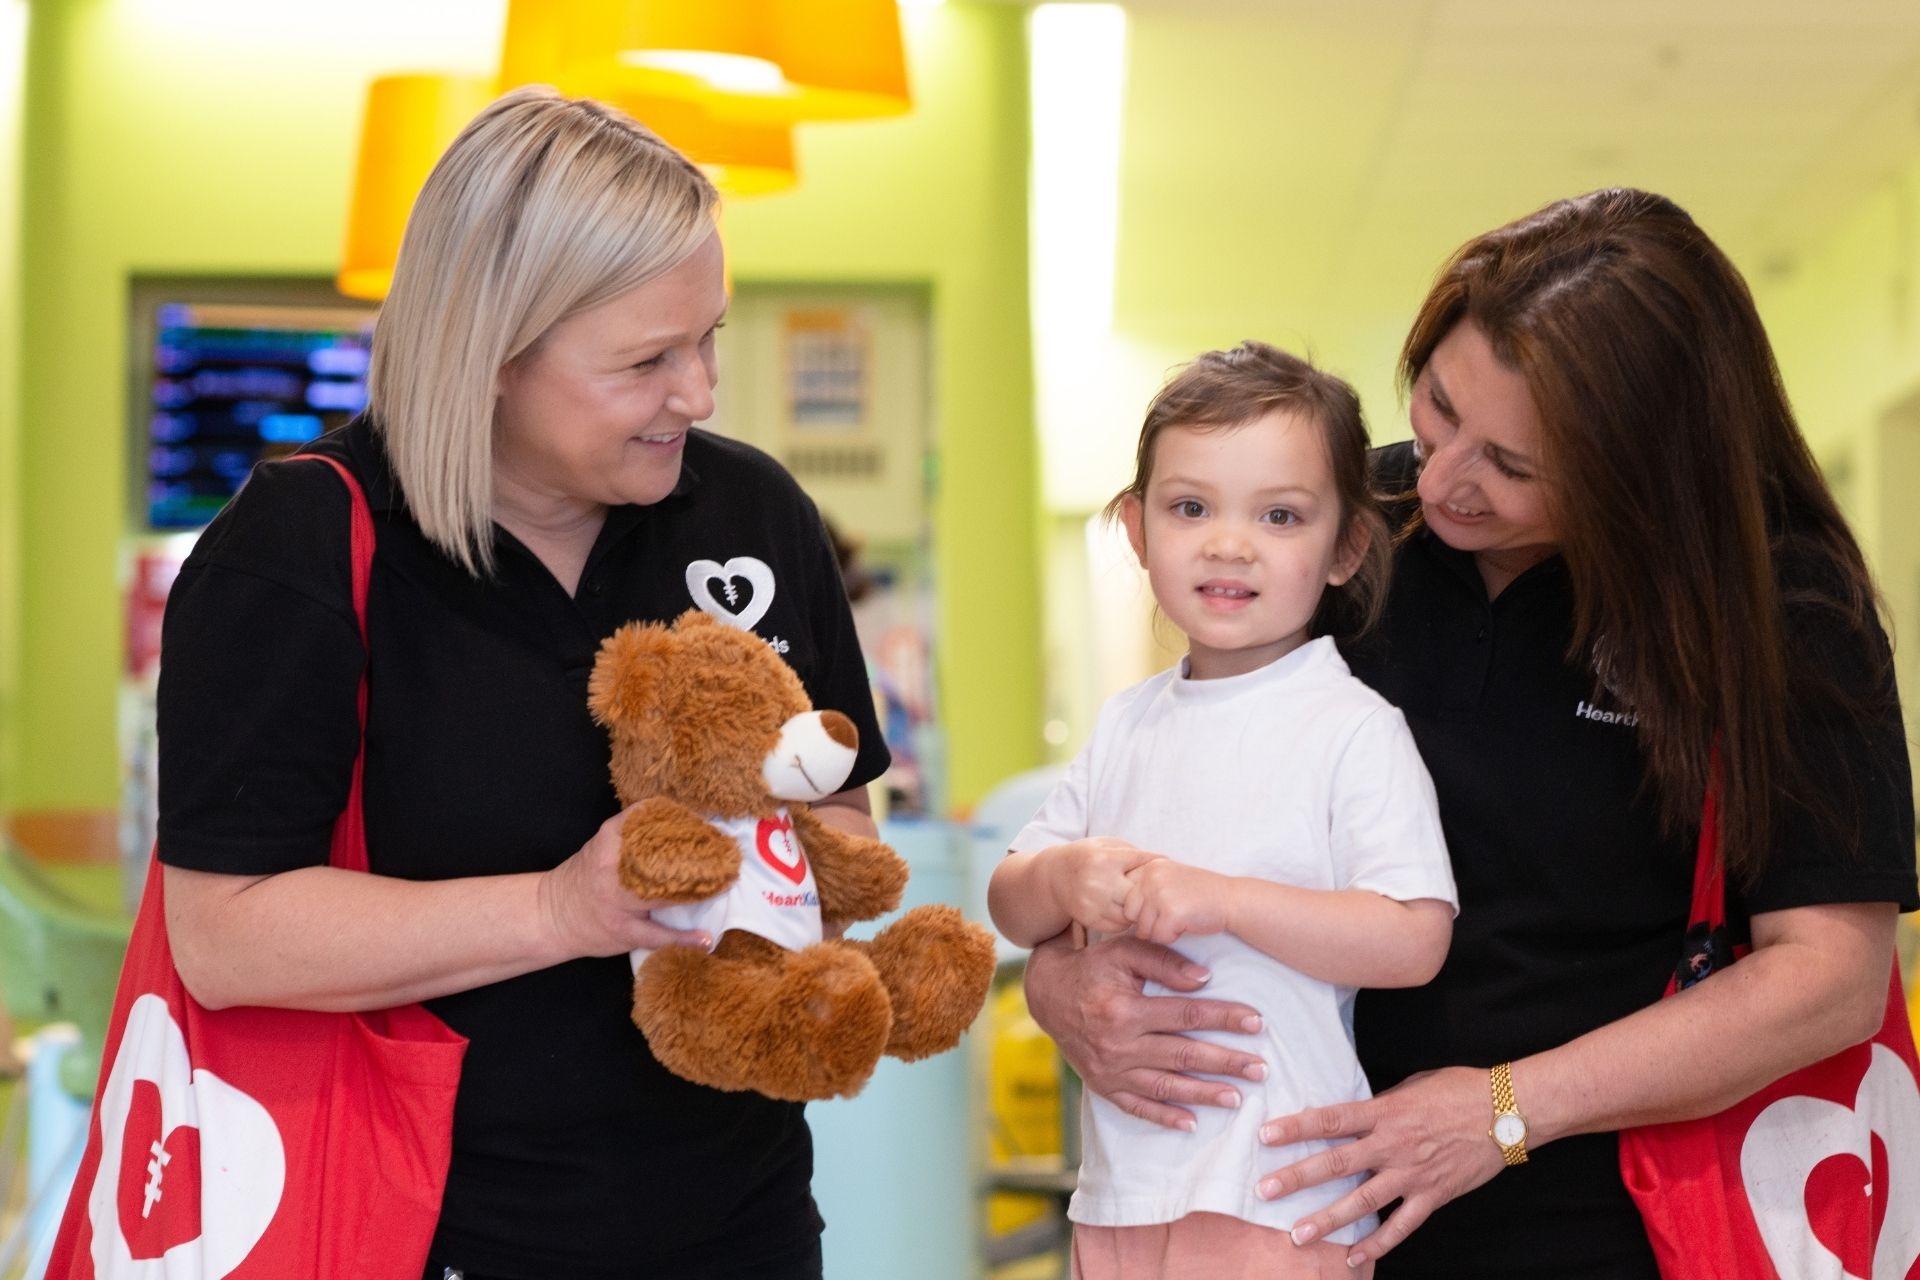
(1501,1080)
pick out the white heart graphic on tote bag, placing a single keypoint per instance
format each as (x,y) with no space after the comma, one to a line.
(1788,1139)
(701,574)
(242,1165)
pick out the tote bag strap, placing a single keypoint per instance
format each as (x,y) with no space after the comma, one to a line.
(349,851)
(1709,878)
(1707,946)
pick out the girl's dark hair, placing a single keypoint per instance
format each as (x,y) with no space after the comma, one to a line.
(1227,389)
(1678,480)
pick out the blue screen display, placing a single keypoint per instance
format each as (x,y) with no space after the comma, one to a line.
(236,384)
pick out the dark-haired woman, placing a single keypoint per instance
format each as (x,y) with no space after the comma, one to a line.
(1616,552)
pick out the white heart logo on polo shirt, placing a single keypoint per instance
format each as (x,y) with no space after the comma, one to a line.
(702,575)
(1794,1140)
(191,1168)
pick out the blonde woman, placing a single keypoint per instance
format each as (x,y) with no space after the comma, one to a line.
(536,480)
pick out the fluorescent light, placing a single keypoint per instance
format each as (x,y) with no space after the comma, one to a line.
(1077,57)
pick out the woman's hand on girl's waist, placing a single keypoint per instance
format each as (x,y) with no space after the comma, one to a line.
(1131,1048)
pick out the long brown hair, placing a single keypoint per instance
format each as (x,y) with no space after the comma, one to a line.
(1226,389)
(1679,477)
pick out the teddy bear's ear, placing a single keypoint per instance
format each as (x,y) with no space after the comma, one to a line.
(627,675)
(693,619)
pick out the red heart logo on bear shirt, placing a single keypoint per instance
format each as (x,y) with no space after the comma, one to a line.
(159,1195)
(778,848)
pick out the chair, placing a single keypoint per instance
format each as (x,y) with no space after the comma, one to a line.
(59,956)
(59,964)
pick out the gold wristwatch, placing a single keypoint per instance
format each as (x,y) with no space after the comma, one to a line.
(1509,1126)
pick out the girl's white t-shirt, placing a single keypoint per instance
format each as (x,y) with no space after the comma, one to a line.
(1296,773)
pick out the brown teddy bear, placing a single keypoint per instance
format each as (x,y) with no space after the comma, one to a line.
(715,740)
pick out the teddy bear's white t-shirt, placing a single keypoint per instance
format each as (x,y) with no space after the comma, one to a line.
(1297,773)
(774,897)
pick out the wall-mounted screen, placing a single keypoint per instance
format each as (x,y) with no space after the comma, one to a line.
(225,382)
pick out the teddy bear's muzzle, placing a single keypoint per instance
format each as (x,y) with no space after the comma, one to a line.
(813,757)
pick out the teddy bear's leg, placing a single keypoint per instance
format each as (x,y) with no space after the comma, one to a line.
(796,1025)
(937,968)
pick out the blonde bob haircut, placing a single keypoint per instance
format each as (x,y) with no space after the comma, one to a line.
(543,207)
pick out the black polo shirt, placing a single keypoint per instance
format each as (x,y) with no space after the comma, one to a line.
(575,1153)
(1572,901)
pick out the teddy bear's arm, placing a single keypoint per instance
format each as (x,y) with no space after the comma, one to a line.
(859,878)
(672,854)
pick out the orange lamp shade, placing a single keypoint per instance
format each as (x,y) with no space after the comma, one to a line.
(742,159)
(409,121)
(755,61)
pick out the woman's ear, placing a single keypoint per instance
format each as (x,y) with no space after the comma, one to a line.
(1352,553)
(1133,519)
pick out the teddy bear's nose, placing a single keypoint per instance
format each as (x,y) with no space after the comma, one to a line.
(840,729)
(813,756)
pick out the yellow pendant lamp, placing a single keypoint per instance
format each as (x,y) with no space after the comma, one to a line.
(742,159)
(755,61)
(409,121)
(568,44)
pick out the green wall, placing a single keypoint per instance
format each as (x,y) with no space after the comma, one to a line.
(13,28)
(1845,323)
(216,136)
(940,196)
(158,138)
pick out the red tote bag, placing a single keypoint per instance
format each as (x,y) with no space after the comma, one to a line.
(262,1144)
(1816,1176)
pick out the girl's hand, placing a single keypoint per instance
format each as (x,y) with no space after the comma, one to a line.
(1090,880)
(588,912)
(1425,1141)
(1131,1048)
(1166,900)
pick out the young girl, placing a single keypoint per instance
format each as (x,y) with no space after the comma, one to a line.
(1295,845)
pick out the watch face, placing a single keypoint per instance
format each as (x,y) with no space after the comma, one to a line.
(1509,1130)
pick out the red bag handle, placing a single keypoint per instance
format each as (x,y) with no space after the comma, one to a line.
(349,851)
(1707,947)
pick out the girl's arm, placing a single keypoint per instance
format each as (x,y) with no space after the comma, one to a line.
(1035,895)
(324,938)
(1814,983)
(1347,937)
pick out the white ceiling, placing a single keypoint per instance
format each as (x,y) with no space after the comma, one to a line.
(1772,115)
(1343,148)
(1383,132)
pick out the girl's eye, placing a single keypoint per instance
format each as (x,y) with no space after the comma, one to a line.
(1190,508)
(1281,516)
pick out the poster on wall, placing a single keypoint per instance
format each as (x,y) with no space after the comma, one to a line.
(827,353)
